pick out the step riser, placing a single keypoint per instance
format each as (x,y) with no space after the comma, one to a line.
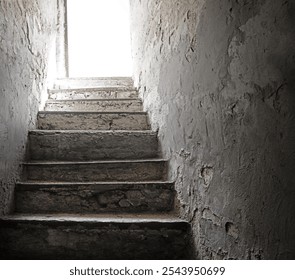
(98,172)
(112,241)
(92,146)
(83,199)
(91,94)
(95,106)
(86,83)
(93,121)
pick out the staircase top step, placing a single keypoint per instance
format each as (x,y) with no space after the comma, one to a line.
(97,78)
(98,219)
(128,79)
(93,82)
(92,162)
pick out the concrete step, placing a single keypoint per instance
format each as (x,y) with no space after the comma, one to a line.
(92,145)
(127,170)
(94,197)
(93,93)
(106,105)
(93,121)
(96,237)
(93,82)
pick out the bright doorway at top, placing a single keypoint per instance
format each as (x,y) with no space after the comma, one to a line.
(99,38)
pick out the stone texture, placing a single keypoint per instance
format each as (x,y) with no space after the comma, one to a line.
(133,170)
(92,145)
(66,237)
(83,198)
(115,105)
(79,184)
(217,78)
(73,83)
(92,121)
(93,93)
(83,186)
(27,42)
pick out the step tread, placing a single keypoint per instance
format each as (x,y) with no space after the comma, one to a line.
(114,170)
(88,131)
(110,78)
(95,81)
(81,89)
(94,100)
(48,183)
(97,218)
(91,113)
(37,185)
(92,162)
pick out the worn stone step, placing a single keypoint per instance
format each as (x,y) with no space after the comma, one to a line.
(127,170)
(106,105)
(93,82)
(93,93)
(93,121)
(97,237)
(92,145)
(94,197)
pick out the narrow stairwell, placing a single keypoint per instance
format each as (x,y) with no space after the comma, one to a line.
(95,185)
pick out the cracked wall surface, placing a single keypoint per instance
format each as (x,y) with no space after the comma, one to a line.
(217,78)
(27,43)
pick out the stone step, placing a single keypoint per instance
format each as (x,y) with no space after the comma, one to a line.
(96,237)
(127,170)
(93,82)
(94,197)
(92,145)
(106,105)
(93,121)
(93,93)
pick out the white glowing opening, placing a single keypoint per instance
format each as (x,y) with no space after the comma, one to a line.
(99,38)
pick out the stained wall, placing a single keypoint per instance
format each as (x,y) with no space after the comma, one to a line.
(217,78)
(27,59)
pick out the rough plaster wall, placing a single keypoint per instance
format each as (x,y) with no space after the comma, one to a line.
(217,78)
(26,44)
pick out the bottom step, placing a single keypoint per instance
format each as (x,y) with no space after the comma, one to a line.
(94,237)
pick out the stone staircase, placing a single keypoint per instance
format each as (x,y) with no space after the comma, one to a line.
(95,185)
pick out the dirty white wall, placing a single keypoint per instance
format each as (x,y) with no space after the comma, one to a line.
(27,44)
(218,80)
